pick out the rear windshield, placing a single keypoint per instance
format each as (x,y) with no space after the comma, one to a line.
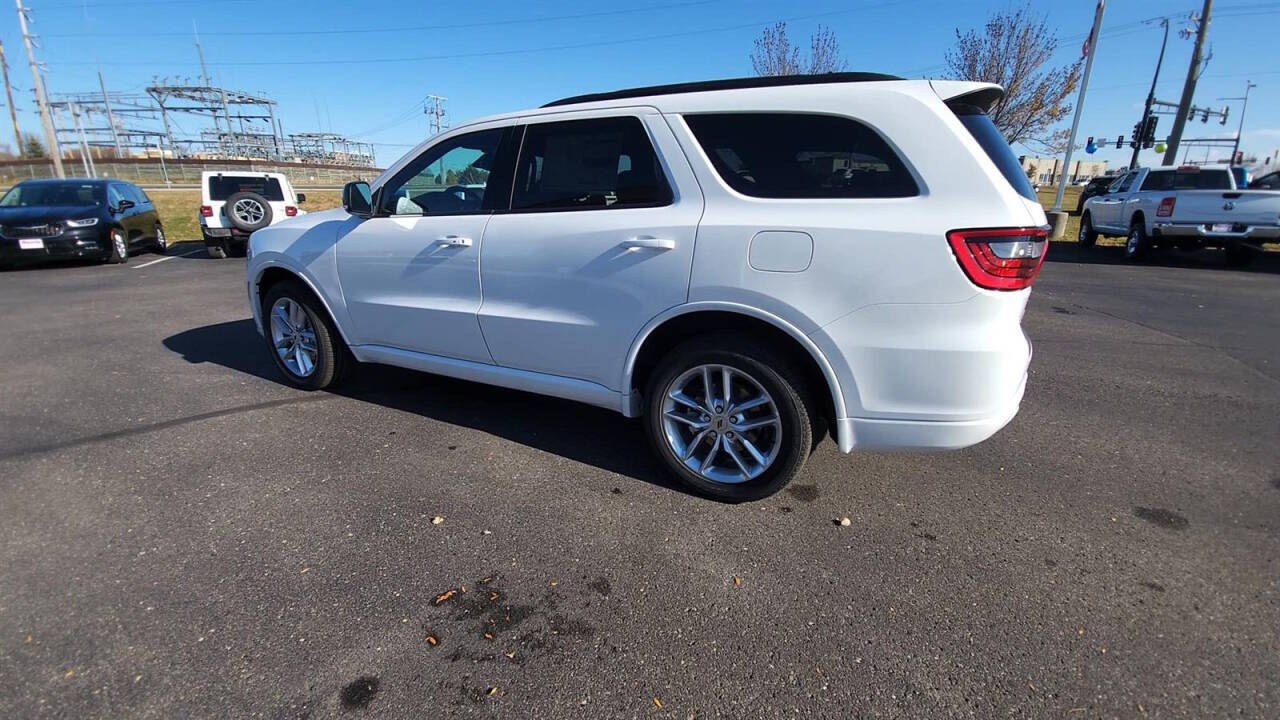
(996,147)
(222,187)
(1187,180)
(55,194)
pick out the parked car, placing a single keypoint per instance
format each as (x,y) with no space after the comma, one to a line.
(233,205)
(745,264)
(1188,207)
(1093,188)
(94,219)
(1270,181)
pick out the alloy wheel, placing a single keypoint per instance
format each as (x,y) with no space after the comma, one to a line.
(721,423)
(248,211)
(161,242)
(293,337)
(122,248)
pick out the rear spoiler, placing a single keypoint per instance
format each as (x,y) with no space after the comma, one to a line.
(981,95)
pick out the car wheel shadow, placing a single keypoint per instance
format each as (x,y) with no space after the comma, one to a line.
(1069,252)
(579,432)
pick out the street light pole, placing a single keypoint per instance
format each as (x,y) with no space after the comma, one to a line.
(1240,131)
(1151,96)
(1057,217)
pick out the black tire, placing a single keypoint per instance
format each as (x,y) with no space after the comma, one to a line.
(245,224)
(778,377)
(161,243)
(1137,246)
(1087,236)
(117,247)
(217,250)
(1240,255)
(332,357)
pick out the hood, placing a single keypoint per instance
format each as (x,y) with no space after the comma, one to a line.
(45,214)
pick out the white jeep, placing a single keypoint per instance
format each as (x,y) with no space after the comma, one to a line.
(234,204)
(745,264)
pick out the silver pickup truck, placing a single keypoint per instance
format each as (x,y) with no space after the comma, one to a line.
(1187,207)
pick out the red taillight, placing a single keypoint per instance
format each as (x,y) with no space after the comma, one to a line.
(290,210)
(206,211)
(1166,207)
(1000,258)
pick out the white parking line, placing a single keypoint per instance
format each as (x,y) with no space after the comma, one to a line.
(167,257)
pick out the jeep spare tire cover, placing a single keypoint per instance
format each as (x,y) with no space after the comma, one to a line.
(248,211)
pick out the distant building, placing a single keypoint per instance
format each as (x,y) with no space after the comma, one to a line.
(1045,170)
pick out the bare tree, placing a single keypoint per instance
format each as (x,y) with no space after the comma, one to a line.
(775,55)
(1012,49)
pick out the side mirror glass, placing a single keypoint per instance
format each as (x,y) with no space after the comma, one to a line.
(302,197)
(357,199)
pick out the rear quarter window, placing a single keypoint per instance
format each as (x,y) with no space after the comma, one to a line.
(222,187)
(794,155)
(993,143)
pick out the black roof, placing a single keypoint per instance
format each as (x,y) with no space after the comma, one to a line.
(727,84)
(76,180)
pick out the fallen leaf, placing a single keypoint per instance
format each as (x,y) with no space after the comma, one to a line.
(555,583)
(737,581)
(1142,709)
(28,640)
(510,655)
(463,588)
(845,522)
(493,691)
(432,641)
(486,532)
(69,673)
(493,596)
(437,520)
(486,581)
(444,596)
(657,702)
(488,636)
(305,570)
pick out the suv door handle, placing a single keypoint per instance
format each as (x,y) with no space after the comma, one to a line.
(649,243)
(455,241)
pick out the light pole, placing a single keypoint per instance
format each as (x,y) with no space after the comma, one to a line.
(1151,96)
(1058,218)
(1240,131)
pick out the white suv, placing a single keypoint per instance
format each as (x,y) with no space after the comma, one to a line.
(745,264)
(235,204)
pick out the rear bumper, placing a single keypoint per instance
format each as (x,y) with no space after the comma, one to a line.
(1258,233)
(928,376)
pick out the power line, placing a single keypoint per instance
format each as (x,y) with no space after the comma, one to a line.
(421,28)
(522,51)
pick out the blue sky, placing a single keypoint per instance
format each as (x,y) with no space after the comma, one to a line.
(362,68)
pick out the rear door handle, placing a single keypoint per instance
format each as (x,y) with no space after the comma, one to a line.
(649,243)
(455,241)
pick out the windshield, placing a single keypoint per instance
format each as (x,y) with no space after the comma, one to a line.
(53,194)
(997,148)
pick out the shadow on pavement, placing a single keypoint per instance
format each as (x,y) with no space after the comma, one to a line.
(1069,252)
(587,434)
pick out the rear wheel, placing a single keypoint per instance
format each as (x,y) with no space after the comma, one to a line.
(302,340)
(729,418)
(1087,235)
(161,243)
(1137,245)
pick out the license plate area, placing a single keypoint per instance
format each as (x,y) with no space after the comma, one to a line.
(31,244)
(1221,227)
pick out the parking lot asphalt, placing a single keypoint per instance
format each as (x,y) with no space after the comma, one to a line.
(183,536)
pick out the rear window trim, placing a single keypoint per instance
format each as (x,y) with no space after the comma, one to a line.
(922,189)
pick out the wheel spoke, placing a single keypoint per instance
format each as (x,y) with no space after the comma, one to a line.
(751,450)
(707,393)
(756,423)
(695,424)
(725,381)
(754,402)
(693,444)
(685,400)
(715,449)
(296,316)
(737,459)
(283,316)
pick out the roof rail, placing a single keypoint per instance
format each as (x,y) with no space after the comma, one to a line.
(727,84)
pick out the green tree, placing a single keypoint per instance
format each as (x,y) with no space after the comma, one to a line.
(32,146)
(472,175)
(451,177)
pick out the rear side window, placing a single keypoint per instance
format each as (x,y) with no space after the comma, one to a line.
(1187,180)
(995,146)
(793,155)
(599,164)
(222,187)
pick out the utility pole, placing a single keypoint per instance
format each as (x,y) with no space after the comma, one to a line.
(50,137)
(1058,218)
(111,119)
(435,110)
(1240,131)
(1151,96)
(1189,88)
(13,112)
(85,158)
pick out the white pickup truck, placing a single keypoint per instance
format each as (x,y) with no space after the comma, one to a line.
(1187,207)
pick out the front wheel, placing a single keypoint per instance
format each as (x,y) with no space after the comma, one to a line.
(119,251)
(1087,235)
(729,418)
(303,342)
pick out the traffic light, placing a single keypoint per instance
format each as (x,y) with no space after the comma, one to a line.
(1149,131)
(1137,134)
(1119,141)
(1225,110)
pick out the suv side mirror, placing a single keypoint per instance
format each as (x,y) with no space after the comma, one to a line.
(124,205)
(357,199)
(302,197)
